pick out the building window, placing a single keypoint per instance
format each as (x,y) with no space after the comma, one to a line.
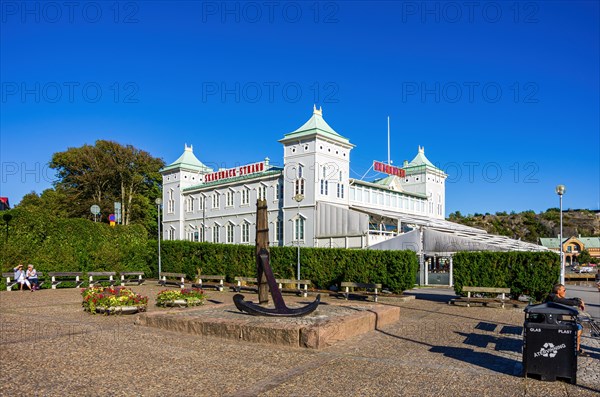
(189,204)
(229,199)
(299,229)
(171,203)
(340,186)
(245,196)
(245,232)
(300,170)
(192,235)
(324,184)
(171,234)
(201,203)
(261,192)
(216,233)
(279,191)
(340,190)
(299,187)
(230,233)
(215,200)
(202,234)
(279,230)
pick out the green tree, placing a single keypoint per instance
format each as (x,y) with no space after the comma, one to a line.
(106,173)
(584,257)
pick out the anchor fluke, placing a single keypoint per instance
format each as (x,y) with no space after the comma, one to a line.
(257,310)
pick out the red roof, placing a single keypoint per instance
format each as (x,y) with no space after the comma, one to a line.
(4,205)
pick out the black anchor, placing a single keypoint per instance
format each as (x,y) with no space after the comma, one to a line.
(280,310)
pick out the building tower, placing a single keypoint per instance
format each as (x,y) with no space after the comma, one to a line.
(316,165)
(184,172)
(425,178)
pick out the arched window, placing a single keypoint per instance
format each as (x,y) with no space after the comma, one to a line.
(299,229)
(245,232)
(229,238)
(245,196)
(216,232)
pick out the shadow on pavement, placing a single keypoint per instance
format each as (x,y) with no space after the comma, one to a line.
(437,295)
(482,359)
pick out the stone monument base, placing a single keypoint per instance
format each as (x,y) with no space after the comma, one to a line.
(330,323)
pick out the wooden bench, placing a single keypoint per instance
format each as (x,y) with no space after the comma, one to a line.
(301,286)
(202,278)
(239,287)
(10,282)
(61,277)
(179,279)
(486,290)
(110,278)
(131,278)
(346,285)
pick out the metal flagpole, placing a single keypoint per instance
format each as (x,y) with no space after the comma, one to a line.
(389,141)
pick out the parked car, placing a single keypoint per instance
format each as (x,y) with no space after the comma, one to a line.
(586,269)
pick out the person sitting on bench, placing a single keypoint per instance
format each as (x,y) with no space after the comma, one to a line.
(32,276)
(20,276)
(558,296)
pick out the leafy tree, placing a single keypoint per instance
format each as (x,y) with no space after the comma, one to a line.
(584,257)
(105,173)
(455,216)
(51,201)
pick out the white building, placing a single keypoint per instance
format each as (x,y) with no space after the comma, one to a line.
(202,204)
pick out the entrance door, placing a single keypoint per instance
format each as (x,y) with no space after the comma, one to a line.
(438,270)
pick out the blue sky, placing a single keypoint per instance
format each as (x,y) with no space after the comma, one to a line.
(504,96)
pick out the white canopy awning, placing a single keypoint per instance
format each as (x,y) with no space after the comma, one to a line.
(418,220)
(439,239)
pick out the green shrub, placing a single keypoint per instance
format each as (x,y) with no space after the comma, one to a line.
(57,244)
(71,244)
(396,270)
(529,273)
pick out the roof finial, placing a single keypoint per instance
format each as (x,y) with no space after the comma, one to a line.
(317,112)
(188,148)
(421,149)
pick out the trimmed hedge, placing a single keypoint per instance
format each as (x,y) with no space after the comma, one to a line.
(529,273)
(73,244)
(396,270)
(58,244)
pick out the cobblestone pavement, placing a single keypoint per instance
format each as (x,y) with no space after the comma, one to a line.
(49,347)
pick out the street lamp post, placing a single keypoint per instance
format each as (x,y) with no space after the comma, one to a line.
(299,197)
(560,190)
(158,202)
(203,217)
(7,218)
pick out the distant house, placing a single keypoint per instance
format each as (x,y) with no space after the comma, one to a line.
(572,246)
(4,205)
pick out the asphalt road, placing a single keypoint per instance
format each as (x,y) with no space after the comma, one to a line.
(591,297)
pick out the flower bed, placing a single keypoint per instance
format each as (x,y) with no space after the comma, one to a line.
(184,297)
(112,300)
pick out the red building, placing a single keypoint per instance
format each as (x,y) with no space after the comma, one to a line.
(4,205)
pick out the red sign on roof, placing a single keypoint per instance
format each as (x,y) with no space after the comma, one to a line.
(388,169)
(4,205)
(235,172)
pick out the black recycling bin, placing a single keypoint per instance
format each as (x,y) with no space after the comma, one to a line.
(550,342)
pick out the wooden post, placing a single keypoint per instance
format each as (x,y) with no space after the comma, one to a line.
(262,241)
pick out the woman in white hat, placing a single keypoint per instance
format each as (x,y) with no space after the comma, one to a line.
(32,277)
(20,276)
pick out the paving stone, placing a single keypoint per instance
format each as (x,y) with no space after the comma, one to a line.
(51,347)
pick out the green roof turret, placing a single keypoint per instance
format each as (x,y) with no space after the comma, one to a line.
(188,161)
(316,126)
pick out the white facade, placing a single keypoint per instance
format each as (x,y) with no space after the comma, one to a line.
(335,210)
